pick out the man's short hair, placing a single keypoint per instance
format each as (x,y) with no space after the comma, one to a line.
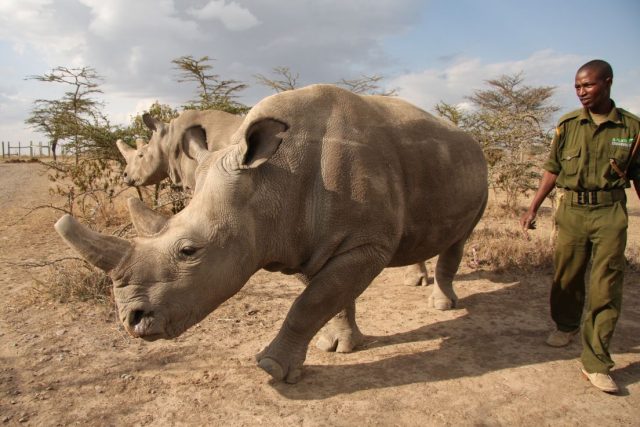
(601,67)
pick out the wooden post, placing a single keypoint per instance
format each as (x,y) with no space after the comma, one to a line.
(30,149)
(3,149)
(19,149)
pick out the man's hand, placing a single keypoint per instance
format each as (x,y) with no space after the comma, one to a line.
(528,222)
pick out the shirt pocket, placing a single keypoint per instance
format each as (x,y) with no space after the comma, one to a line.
(570,161)
(621,156)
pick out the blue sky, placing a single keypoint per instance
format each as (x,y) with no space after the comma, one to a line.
(430,51)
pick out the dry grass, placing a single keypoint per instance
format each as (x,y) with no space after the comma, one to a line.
(499,250)
(72,281)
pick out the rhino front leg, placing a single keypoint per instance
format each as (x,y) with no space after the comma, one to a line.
(341,334)
(443,297)
(332,289)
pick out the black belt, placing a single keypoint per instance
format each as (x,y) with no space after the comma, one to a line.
(595,198)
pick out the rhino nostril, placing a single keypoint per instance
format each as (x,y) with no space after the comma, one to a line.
(136,317)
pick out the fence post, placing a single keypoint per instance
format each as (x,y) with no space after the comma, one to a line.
(3,149)
(30,149)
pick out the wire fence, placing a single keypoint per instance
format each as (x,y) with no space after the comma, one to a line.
(21,149)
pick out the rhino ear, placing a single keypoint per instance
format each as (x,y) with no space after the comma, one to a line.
(261,141)
(194,143)
(147,222)
(140,143)
(125,150)
(152,123)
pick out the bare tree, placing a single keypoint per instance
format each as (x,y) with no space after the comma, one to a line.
(285,79)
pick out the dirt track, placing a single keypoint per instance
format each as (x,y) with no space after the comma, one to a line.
(482,363)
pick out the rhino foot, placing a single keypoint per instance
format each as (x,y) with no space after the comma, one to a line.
(441,303)
(340,341)
(289,373)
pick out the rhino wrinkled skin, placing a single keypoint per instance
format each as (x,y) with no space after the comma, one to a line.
(318,182)
(165,155)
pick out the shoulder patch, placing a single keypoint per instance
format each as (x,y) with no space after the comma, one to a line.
(569,116)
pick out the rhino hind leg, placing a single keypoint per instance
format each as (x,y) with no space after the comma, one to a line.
(443,297)
(416,275)
(341,334)
(333,288)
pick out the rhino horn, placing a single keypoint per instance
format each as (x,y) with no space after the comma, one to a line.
(140,143)
(125,150)
(105,252)
(146,221)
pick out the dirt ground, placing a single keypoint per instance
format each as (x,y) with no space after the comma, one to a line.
(484,363)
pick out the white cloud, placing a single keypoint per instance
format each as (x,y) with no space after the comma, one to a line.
(233,16)
(452,83)
(131,44)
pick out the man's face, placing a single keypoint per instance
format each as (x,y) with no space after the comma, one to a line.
(592,89)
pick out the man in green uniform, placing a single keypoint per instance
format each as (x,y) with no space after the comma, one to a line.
(591,163)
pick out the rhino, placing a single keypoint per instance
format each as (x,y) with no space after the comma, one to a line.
(319,182)
(163,156)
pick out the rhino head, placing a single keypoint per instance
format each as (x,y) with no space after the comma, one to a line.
(179,269)
(146,164)
(164,155)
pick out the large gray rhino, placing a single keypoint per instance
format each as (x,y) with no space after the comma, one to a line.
(150,163)
(318,182)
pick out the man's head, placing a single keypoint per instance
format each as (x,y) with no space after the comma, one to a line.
(593,86)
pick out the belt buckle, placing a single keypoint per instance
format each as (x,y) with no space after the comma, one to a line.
(581,195)
(594,198)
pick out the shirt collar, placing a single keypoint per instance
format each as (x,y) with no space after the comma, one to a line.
(613,116)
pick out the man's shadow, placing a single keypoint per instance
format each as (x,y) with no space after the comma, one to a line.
(500,330)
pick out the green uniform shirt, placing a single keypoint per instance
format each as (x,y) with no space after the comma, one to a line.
(580,150)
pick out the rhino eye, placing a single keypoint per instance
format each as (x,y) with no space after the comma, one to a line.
(188,251)
(140,155)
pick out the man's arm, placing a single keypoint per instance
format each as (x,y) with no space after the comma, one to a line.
(547,183)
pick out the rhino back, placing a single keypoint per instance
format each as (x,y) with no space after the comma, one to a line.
(371,170)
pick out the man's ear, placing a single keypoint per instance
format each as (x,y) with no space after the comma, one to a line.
(194,143)
(262,139)
(152,123)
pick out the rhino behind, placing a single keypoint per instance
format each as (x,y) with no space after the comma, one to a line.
(319,182)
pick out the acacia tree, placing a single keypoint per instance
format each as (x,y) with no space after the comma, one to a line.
(65,118)
(49,117)
(369,85)
(137,128)
(285,80)
(214,93)
(511,122)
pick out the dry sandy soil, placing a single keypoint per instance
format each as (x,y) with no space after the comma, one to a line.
(483,363)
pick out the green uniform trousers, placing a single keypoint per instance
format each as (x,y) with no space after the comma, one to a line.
(599,234)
